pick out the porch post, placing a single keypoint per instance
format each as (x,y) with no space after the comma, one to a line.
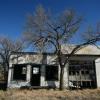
(42,77)
(97,68)
(28,75)
(10,73)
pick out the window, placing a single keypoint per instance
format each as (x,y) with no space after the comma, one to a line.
(85,70)
(73,72)
(19,72)
(23,70)
(82,72)
(35,70)
(51,73)
(77,72)
(69,72)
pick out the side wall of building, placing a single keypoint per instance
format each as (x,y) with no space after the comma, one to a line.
(97,66)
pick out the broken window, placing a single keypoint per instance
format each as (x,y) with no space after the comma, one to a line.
(83,71)
(73,72)
(87,72)
(77,72)
(51,73)
(24,70)
(35,70)
(19,72)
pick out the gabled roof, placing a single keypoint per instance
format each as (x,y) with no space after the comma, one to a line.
(87,50)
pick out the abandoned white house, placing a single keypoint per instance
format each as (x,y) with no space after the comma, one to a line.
(33,69)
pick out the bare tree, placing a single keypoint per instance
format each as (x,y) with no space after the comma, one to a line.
(45,31)
(7,46)
(92,34)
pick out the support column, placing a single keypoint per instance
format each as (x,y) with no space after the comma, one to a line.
(28,75)
(42,77)
(10,75)
(97,68)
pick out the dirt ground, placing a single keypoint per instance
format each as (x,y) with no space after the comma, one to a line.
(44,94)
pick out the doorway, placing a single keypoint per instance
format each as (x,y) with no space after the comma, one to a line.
(35,76)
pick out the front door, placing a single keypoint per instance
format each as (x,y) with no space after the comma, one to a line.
(35,76)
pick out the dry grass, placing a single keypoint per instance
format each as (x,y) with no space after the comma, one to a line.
(43,94)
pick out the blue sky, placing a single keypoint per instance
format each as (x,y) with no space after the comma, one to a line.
(13,13)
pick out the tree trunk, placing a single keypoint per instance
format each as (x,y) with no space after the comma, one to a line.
(61,87)
(68,74)
(5,75)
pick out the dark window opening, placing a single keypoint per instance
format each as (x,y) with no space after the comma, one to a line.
(77,72)
(51,73)
(19,72)
(83,71)
(73,72)
(87,72)
(69,72)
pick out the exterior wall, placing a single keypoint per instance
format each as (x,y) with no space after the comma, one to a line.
(13,83)
(35,60)
(97,66)
(49,60)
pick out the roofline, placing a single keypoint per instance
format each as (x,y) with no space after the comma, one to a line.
(45,53)
(75,55)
